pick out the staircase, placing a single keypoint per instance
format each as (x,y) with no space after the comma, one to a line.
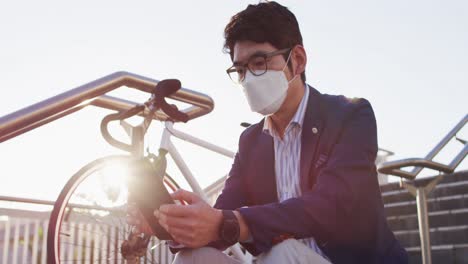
(447,206)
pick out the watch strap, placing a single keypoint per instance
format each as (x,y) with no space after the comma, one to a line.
(229,230)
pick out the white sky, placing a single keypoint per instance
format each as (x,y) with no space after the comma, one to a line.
(408,58)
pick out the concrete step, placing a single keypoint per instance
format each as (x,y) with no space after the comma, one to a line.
(441,190)
(433,204)
(451,235)
(446,254)
(448,218)
(436,219)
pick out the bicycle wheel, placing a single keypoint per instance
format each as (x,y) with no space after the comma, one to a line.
(88,221)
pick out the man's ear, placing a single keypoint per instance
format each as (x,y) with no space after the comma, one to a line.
(299,59)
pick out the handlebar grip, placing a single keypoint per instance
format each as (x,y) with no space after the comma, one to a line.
(165,88)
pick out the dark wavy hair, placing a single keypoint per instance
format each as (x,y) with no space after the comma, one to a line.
(264,22)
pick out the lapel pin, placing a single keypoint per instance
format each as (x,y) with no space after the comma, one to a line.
(314,130)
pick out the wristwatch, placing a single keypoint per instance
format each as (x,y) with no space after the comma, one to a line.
(229,230)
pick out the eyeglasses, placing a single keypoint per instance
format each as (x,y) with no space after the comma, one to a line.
(256,64)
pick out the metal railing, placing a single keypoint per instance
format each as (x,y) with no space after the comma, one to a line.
(93,93)
(395,167)
(23,240)
(421,192)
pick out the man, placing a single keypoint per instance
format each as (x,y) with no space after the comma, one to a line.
(303,186)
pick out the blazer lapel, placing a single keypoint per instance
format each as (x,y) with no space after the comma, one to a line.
(310,135)
(264,168)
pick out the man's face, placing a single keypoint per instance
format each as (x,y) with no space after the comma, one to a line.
(245,50)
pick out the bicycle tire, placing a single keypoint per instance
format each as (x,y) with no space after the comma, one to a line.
(61,226)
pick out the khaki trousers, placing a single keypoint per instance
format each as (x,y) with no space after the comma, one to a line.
(287,252)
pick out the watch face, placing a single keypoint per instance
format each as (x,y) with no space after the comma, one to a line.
(230,231)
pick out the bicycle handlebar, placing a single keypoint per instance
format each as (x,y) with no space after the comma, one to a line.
(163,89)
(108,137)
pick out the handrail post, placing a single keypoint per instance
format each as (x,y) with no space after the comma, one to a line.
(421,192)
(423,220)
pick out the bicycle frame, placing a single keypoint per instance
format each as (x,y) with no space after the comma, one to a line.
(167,144)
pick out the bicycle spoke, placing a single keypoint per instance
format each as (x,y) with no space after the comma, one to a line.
(112,241)
(98,260)
(81,260)
(151,256)
(109,251)
(82,246)
(91,232)
(100,224)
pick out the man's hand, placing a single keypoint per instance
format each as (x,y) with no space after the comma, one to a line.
(193,225)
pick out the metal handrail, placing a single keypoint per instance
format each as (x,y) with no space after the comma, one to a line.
(395,167)
(52,203)
(210,191)
(421,192)
(93,93)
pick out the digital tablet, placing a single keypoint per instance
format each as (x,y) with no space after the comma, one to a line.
(146,189)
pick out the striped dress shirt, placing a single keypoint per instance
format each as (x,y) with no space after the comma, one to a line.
(287,159)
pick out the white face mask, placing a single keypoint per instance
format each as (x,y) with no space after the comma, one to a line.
(266,93)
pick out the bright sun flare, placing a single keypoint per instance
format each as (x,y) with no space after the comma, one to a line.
(107,187)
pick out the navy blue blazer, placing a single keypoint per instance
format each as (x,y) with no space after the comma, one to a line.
(341,204)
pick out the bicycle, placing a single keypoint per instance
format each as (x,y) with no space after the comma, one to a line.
(71,235)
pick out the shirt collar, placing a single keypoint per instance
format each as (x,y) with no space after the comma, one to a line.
(298,118)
